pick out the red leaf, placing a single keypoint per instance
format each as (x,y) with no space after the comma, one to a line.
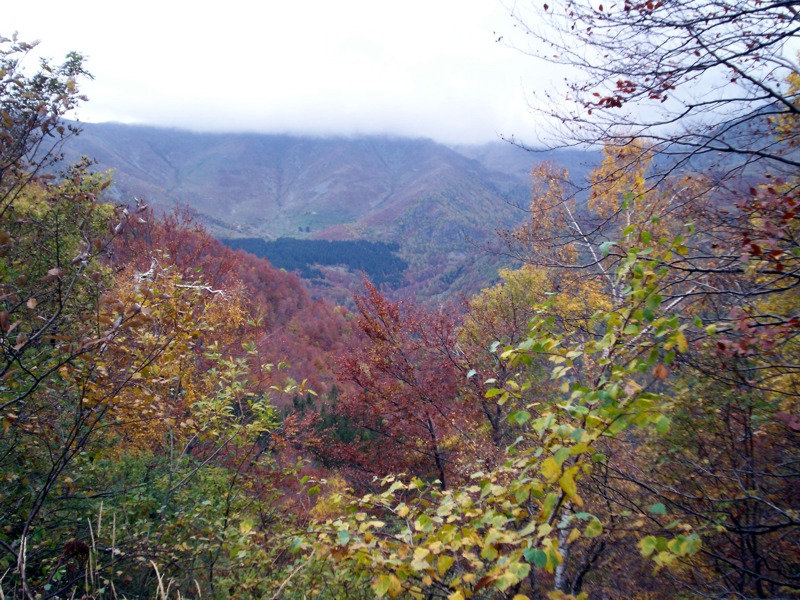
(661,371)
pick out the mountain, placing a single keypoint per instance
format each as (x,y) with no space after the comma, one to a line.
(517,161)
(439,205)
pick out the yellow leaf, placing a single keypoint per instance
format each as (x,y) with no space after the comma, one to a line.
(683,345)
(445,562)
(574,535)
(380,585)
(245,527)
(489,552)
(567,484)
(395,586)
(550,469)
(544,530)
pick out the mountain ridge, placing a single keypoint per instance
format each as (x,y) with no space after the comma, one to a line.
(438,203)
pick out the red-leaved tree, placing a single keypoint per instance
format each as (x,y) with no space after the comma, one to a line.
(407,394)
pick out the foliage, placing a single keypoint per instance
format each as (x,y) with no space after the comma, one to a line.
(32,107)
(627,399)
(695,78)
(508,527)
(136,419)
(723,240)
(680,309)
(378,260)
(406,388)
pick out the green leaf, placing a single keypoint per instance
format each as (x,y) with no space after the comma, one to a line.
(647,545)
(631,329)
(653,302)
(520,417)
(683,545)
(605,247)
(561,455)
(423,523)
(547,508)
(381,585)
(593,529)
(658,509)
(536,557)
(662,424)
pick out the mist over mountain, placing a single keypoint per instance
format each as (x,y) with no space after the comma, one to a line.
(440,205)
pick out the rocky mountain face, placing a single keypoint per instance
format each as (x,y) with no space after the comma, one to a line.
(442,206)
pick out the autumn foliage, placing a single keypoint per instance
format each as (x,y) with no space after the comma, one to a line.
(615,417)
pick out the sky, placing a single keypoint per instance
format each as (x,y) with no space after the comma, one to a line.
(418,68)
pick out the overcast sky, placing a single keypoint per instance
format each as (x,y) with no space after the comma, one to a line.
(428,68)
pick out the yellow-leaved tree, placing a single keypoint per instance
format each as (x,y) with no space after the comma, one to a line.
(136,414)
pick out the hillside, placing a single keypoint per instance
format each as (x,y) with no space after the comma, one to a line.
(441,206)
(619,417)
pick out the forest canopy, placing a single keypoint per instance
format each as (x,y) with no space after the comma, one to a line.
(378,260)
(617,417)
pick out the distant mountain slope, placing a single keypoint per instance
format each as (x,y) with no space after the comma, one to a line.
(439,205)
(517,162)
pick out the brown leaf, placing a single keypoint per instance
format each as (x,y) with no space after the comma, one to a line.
(22,339)
(53,273)
(661,371)
(792,421)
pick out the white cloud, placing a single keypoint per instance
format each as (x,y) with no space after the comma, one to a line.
(421,68)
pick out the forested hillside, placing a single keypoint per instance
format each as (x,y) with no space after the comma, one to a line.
(440,206)
(377,260)
(616,417)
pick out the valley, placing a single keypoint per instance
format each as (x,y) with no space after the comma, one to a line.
(441,206)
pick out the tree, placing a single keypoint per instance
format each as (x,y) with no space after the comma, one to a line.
(499,317)
(407,388)
(696,107)
(697,79)
(136,412)
(513,530)
(32,111)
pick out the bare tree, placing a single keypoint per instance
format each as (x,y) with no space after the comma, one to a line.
(697,78)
